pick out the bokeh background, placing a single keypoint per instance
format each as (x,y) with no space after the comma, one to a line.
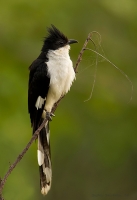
(93,143)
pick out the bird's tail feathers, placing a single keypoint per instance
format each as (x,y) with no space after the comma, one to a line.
(44,161)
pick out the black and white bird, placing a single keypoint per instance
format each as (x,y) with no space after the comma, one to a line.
(51,76)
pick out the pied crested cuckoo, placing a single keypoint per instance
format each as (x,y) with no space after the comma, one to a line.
(51,76)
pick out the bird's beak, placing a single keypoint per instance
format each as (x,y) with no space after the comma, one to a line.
(71,41)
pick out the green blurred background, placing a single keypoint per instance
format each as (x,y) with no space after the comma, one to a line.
(93,143)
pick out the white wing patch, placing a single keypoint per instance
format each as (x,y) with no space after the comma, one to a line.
(39,102)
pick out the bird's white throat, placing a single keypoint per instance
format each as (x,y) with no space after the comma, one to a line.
(61,52)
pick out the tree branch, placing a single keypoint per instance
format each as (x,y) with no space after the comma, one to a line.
(34,137)
(81,52)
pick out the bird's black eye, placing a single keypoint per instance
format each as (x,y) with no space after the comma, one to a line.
(61,42)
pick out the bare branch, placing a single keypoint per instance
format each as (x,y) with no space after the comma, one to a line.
(81,52)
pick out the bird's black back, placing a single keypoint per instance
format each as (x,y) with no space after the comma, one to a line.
(38,86)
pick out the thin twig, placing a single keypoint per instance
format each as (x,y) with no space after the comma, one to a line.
(120,70)
(34,137)
(81,53)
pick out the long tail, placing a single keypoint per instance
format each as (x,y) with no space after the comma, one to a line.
(44,159)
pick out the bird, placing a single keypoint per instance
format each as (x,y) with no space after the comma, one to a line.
(50,77)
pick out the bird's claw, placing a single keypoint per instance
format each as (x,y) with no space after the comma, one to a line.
(49,116)
(52,114)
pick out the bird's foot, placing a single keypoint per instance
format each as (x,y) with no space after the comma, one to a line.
(49,116)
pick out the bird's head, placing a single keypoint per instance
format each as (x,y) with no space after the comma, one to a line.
(56,40)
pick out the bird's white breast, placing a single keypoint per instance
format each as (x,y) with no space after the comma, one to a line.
(60,71)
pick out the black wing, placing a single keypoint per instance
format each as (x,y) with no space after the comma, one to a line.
(38,86)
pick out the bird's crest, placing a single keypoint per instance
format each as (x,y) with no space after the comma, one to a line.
(54,39)
(55,33)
